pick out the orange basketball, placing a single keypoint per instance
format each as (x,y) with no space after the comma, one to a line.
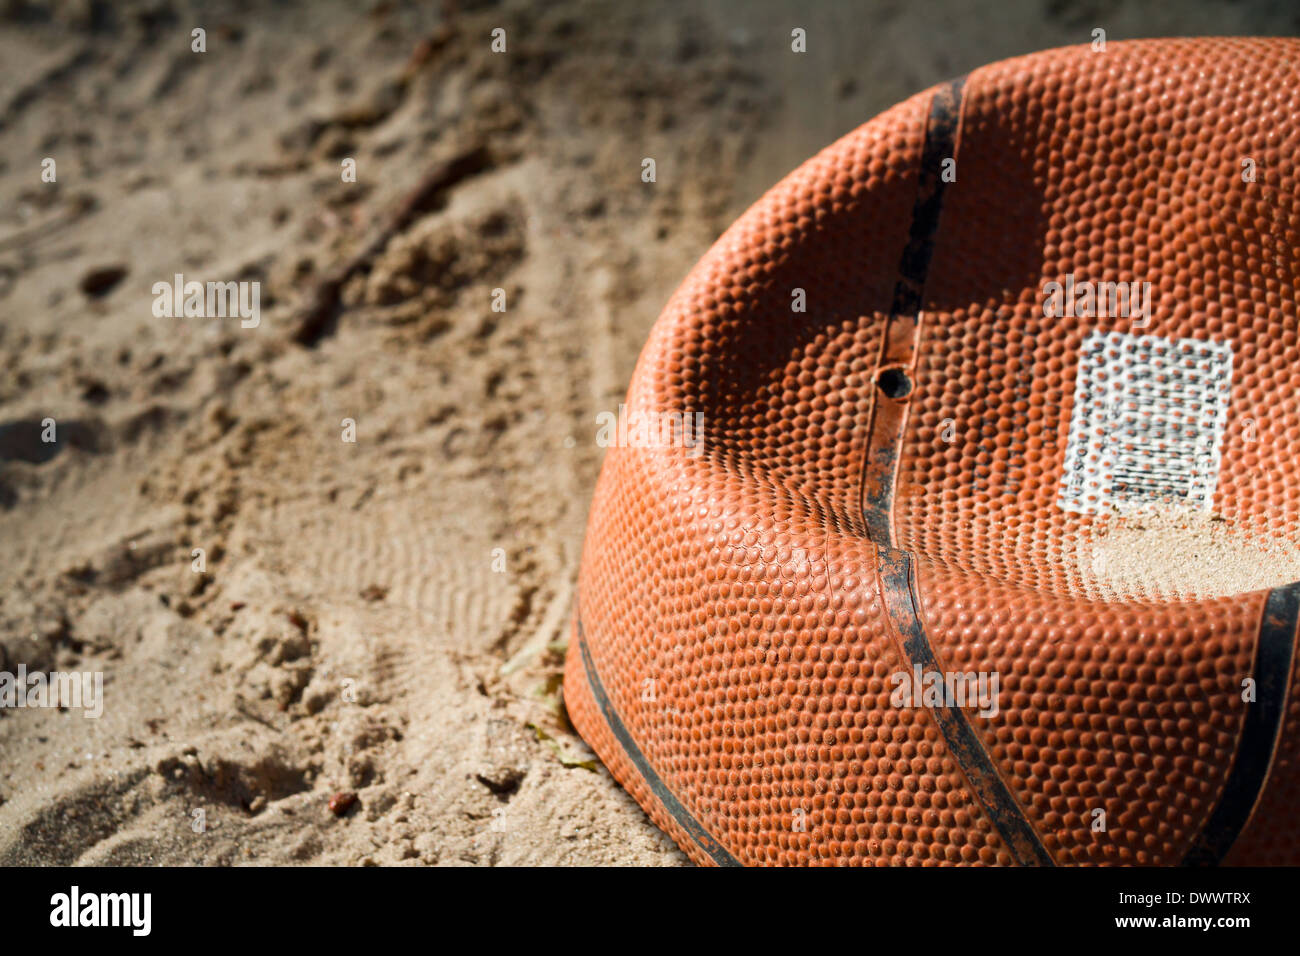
(952,512)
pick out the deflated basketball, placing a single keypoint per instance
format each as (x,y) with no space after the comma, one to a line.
(952,514)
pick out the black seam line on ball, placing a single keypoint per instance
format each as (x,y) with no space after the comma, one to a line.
(1274,653)
(940,144)
(914,264)
(676,810)
(898,578)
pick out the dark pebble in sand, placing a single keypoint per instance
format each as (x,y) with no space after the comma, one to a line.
(101,281)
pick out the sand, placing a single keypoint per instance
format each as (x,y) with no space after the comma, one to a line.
(1164,553)
(324,651)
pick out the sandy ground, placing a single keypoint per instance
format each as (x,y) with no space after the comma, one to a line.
(381,618)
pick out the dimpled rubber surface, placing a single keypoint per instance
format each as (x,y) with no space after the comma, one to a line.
(739,615)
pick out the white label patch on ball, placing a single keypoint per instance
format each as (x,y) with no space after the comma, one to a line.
(1147,426)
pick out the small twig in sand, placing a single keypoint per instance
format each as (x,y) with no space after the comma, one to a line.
(314,321)
(242,709)
(79,205)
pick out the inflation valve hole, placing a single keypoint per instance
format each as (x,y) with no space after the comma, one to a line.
(894,383)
